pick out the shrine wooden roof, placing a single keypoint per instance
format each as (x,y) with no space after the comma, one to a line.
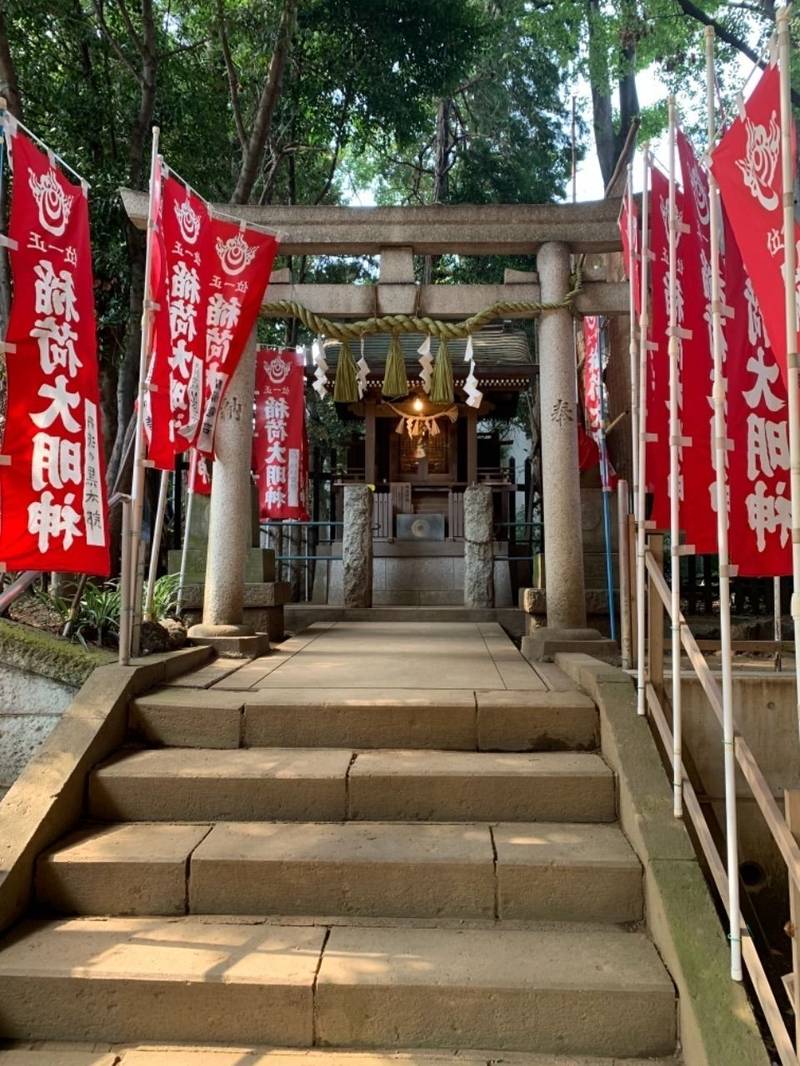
(503,357)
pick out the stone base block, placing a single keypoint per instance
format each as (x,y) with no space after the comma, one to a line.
(257,594)
(241,647)
(259,564)
(543,644)
(533,601)
(267,620)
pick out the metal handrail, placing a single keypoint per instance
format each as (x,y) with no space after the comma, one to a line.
(753,775)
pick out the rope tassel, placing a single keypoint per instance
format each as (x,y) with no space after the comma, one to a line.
(394,377)
(345,386)
(442,380)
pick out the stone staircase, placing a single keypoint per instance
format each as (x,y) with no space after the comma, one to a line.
(452,877)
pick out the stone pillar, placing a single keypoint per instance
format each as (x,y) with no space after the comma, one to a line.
(478,547)
(357,546)
(563,547)
(229,522)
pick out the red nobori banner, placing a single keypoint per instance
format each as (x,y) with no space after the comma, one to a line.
(53,506)
(592,376)
(629,216)
(657,362)
(199,473)
(240,265)
(179,290)
(280,448)
(759,520)
(699,518)
(747,166)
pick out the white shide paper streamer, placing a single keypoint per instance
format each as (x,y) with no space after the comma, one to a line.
(474,394)
(320,368)
(426,362)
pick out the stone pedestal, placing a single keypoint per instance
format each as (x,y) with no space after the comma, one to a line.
(229,533)
(263,606)
(357,546)
(259,562)
(542,645)
(478,547)
(560,479)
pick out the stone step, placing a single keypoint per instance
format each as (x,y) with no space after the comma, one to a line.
(137,868)
(462,720)
(198,784)
(53,1054)
(333,785)
(556,872)
(480,786)
(190,979)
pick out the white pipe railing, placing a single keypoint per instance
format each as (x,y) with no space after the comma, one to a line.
(674,351)
(721,484)
(645,346)
(660,594)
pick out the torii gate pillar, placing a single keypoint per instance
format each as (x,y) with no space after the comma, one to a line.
(230,521)
(563,542)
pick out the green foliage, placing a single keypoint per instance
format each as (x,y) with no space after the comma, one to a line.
(165,597)
(44,653)
(96,618)
(97,613)
(326,429)
(506,116)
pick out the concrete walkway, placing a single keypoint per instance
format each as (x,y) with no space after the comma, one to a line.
(469,656)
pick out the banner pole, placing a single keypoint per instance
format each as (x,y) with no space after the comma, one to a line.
(606,484)
(185,549)
(790,298)
(155,546)
(624,574)
(634,340)
(125,589)
(777,624)
(137,480)
(674,349)
(641,540)
(721,481)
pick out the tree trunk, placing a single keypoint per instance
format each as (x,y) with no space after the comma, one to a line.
(9,88)
(442,146)
(610,142)
(128,376)
(270,94)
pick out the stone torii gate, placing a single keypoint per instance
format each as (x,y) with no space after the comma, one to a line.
(552,232)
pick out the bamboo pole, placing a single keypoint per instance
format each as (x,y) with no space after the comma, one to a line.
(656,604)
(155,546)
(137,480)
(624,574)
(674,349)
(641,538)
(790,302)
(720,452)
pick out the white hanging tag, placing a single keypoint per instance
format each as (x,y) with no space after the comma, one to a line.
(468,353)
